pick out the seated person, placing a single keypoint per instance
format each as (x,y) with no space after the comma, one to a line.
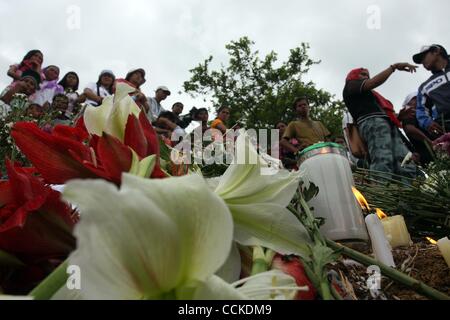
(286,156)
(166,126)
(420,139)
(34,111)
(223,114)
(95,92)
(202,115)
(16,96)
(31,61)
(49,87)
(60,105)
(306,131)
(70,83)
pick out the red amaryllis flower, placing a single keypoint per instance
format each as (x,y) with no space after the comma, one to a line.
(292,266)
(34,223)
(64,153)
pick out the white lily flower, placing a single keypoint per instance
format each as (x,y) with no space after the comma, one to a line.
(112,115)
(258,203)
(151,239)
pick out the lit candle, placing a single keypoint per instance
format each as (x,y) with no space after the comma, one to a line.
(444,248)
(380,245)
(396,231)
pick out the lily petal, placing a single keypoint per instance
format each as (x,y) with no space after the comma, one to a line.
(95,117)
(204,221)
(127,247)
(149,239)
(270,226)
(231,269)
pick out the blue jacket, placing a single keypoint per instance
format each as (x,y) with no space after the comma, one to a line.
(433,99)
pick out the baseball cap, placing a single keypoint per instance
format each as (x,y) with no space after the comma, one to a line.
(418,57)
(164,88)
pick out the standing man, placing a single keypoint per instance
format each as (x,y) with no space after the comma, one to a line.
(161,94)
(306,131)
(433,100)
(377,122)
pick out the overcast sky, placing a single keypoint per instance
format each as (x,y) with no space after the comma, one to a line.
(167,37)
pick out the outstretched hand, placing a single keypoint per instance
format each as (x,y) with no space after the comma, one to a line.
(404,66)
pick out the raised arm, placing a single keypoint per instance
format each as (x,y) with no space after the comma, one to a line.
(381,78)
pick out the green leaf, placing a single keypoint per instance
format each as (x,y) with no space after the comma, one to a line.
(8,260)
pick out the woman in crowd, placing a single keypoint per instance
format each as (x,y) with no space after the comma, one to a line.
(16,96)
(70,83)
(32,61)
(49,87)
(136,77)
(95,92)
(223,114)
(202,116)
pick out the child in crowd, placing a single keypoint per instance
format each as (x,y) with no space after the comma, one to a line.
(70,83)
(34,111)
(287,157)
(59,107)
(32,61)
(49,87)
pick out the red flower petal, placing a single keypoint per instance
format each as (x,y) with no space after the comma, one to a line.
(50,154)
(135,137)
(35,222)
(73,133)
(150,134)
(114,156)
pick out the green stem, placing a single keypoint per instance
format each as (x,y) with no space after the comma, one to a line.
(259,261)
(50,285)
(336,294)
(392,273)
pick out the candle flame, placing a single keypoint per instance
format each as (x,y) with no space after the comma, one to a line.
(381,214)
(432,241)
(362,201)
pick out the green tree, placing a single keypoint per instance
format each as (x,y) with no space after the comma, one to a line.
(260,93)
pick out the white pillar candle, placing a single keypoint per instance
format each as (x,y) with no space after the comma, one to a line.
(380,245)
(444,248)
(396,231)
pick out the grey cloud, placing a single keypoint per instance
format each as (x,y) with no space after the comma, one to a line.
(168,38)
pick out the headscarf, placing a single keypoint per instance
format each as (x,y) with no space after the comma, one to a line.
(409,97)
(385,104)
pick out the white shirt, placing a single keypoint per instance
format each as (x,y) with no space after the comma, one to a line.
(102,92)
(155,109)
(45,95)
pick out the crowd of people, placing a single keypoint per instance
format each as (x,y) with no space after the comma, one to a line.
(425,114)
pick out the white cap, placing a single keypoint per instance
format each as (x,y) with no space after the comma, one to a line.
(163,88)
(107,72)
